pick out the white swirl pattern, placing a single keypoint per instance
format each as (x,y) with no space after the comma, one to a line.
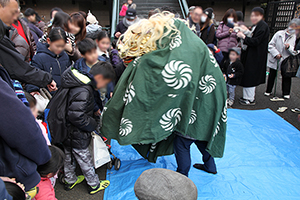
(224,114)
(217,130)
(129,94)
(170,119)
(135,62)
(213,59)
(207,84)
(193,117)
(175,42)
(177,75)
(125,127)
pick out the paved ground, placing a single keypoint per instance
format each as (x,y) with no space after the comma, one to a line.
(263,102)
(80,192)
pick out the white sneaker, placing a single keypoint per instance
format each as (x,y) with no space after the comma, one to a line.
(286,96)
(267,94)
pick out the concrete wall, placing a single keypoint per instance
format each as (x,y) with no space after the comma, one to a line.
(99,9)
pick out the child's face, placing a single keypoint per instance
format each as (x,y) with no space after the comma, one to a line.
(104,44)
(101,81)
(91,57)
(57,46)
(34,111)
(233,56)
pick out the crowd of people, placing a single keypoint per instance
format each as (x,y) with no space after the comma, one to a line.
(75,63)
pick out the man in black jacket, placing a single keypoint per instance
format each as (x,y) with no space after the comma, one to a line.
(11,59)
(81,122)
(22,144)
(127,21)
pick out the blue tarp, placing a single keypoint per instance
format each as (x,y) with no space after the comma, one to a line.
(261,161)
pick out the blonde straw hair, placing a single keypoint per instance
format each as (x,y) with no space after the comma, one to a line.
(144,36)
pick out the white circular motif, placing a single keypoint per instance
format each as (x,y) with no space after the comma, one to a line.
(170,119)
(175,42)
(217,130)
(135,62)
(224,114)
(212,58)
(207,84)
(176,74)
(193,117)
(129,94)
(125,127)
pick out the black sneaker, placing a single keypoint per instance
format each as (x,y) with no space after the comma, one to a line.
(247,102)
(201,167)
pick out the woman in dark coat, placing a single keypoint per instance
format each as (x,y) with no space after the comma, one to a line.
(207,32)
(254,58)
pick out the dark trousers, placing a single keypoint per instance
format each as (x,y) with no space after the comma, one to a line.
(183,155)
(286,83)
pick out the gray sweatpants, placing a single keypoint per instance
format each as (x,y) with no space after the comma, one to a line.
(84,160)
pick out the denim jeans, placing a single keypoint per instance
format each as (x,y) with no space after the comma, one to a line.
(231,91)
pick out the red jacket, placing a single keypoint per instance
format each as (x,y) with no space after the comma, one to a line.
(123,11)
(46,190)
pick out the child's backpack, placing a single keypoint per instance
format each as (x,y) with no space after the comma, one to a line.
(215,42)
(55,116)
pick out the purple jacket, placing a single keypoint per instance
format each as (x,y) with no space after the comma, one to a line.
(226,40)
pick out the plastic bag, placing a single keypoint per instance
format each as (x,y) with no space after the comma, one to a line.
(99,151)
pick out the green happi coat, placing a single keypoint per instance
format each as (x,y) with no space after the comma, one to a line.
(178,87)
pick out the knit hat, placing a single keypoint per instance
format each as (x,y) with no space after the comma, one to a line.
(236,49)
(91,19)
(258,9)
(164,184)
(209,12)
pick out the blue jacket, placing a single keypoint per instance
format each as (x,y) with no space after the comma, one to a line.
(22,144)
(49,62)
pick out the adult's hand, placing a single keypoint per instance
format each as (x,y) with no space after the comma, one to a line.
(118,34)
(278,56)
(241,35)
(52,86)
(69,46)
(34,93)
(230,30)
(287,46)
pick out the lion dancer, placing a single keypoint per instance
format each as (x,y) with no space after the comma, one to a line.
(171,95)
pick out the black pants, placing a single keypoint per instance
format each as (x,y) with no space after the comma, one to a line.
(182,150)
(286,83)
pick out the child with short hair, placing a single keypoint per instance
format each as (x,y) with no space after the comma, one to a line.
(88,49)
(81,122)
(233,71)
(47,171)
